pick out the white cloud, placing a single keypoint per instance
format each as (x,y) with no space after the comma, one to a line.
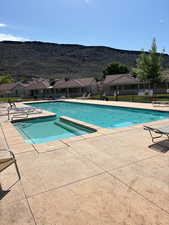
(10,37)
(3,25)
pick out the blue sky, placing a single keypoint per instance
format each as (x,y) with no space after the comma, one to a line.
(122,24)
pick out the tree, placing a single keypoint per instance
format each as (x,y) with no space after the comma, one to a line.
(115,68)
(6,79)
(148,66)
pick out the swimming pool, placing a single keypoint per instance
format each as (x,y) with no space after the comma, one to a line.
(36,131)
(103,116)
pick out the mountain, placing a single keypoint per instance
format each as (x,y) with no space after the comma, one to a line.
(49,60)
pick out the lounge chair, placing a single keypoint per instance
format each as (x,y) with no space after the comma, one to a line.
(11,104)
(6,162)
(156,133)
(21,111)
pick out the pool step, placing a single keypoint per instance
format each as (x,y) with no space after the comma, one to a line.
(75,129)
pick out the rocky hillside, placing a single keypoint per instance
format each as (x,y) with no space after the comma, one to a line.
(27,59)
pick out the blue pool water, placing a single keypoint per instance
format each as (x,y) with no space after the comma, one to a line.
(42,130)
(103,116)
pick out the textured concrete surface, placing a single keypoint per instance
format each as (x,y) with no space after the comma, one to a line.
(113,178)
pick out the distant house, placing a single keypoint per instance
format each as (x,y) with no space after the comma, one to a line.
(17,89)
(38,88)
(5,89)
(121,84)
(35,88)
(75,87)
(20,90)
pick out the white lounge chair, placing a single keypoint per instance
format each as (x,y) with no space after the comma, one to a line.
(5,162)
(156,133)
(19,112)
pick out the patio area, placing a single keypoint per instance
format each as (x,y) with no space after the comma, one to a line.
(107,178)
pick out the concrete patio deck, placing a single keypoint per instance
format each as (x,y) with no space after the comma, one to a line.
(107,178)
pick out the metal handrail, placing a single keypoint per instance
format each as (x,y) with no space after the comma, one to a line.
(13,156)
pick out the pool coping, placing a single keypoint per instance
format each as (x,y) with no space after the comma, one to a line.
(54,145)
(135,105)
(81,123)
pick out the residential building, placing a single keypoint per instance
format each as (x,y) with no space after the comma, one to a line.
(76,87)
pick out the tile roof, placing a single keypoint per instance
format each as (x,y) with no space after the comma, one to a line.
(31,85)
(75,83)
(86,81)
(67,84)
(10,86)
(120,79)
(38,84)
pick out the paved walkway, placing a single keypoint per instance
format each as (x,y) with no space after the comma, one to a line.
(105,179)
